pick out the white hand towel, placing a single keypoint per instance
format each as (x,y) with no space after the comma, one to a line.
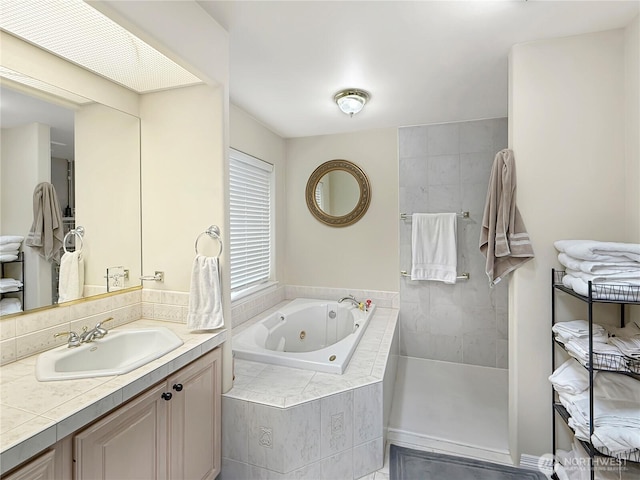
(205,298)
(433,246)
(71,282)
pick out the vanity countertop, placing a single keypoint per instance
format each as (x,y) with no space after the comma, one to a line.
(34,415)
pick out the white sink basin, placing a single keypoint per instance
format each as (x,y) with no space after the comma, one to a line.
(118,352)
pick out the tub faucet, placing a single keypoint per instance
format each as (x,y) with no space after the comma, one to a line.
(352,299)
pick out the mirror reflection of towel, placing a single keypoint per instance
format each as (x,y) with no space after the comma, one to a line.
(46,235)
(205,299)
(71,283)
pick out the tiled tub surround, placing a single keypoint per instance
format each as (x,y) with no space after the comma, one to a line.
(280,422)
(446,168)
(35,415)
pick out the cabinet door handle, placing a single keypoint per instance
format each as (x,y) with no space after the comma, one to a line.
(167,396)
(178,387)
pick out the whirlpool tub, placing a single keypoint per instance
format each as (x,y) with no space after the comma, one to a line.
(315,335)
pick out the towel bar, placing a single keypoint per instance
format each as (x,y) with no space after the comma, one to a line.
(462,276)
(406,216)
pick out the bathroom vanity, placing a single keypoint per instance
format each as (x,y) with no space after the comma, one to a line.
(161,420)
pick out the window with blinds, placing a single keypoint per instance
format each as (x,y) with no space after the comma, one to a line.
(250,185)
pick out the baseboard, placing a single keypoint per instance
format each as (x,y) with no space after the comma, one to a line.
(439,445)
(542,464)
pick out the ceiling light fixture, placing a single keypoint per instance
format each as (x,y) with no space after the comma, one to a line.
(352,100)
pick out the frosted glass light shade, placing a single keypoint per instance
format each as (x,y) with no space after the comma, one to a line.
(351,101)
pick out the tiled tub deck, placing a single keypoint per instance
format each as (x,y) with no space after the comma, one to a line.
(281,422)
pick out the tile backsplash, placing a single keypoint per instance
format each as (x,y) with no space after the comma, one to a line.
(31,333)
(25,335)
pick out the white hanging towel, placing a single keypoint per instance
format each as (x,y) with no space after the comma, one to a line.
(433,247)
(205,299)
(71,282)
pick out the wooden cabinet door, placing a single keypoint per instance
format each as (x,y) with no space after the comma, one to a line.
(42,468)
(194,420)
(127,444)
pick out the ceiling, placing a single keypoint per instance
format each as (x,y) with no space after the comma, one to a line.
(422,61)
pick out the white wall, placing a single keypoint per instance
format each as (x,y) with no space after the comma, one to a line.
(363,255)
(567,130)
(251,137)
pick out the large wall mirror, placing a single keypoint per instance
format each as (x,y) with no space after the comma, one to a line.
(338,193)
(90,154)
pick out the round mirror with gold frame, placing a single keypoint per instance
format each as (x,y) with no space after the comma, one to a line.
(338,193)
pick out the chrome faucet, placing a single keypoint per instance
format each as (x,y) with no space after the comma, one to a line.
(72,341)
(352,299)
(96,332)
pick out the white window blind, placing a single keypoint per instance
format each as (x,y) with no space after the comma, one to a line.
(250,188)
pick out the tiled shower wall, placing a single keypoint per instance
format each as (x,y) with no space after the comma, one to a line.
(445,168)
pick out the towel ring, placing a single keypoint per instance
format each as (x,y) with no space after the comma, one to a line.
(79,233)
(214,232)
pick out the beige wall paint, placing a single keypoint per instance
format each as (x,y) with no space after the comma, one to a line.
(363,255)
(251,137)
(566,127)
(632,124)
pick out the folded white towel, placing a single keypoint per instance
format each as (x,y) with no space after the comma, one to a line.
(570,377)
(610,290)
(4,239)
(631,277)
(606,356)
(6,257)
(9,247)
(616,387)
(630,347)
(205,298)
(565,331)
(598,268)
(10,282)
(599,251)
(10,305)
(71,282)
(433,247)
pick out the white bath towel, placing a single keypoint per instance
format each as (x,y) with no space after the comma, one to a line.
(10,247)
(71,282)
(433,247)
(4,239)
(8,257)
(570,377)
(205,298)
(599,251)
(10,305)
(598,268)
